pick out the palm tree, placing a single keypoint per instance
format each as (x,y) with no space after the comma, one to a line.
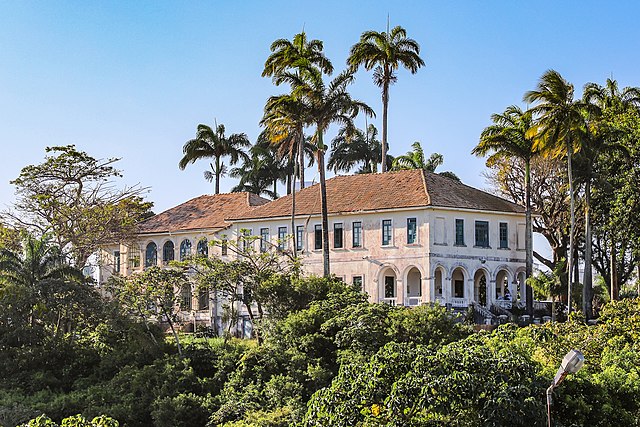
(35,274)
(326,104)
(415,159)
(284,114)
(284,120)
(558,130)
(214,144)
(260,173)
(385,51)
(601,99)
(298,54)
(609,96)
(509,137)
(360,149)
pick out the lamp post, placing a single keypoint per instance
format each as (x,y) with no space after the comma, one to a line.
(572,362)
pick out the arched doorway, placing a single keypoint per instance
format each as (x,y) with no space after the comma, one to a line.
(480,288)
(387,286)
(414,287)
(457,288)
(503,293)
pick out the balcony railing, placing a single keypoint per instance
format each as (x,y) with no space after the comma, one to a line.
(391,301)
(458,302)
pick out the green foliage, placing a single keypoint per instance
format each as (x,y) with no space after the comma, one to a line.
(74,421)
(333,359)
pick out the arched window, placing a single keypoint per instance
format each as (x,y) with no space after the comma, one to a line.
(151,255)
(203,248)
(168,252)
(185,249)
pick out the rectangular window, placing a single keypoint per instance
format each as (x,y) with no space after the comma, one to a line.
(482,234)
(317,244)
(357,282)
(412,230)
(116,261)
(504,235)
(246,239)
(356,238)
(282,237)
(459,232)
(134,258)
(299,237)
(224,247)
(337,235)
(386,232)
(389,286)
(264,239)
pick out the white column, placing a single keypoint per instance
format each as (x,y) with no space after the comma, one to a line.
(428,289)
(400,292)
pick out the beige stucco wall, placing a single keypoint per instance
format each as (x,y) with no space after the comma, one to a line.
(409,263)
(413,265)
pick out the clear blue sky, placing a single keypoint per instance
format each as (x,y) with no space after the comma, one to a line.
(133,79)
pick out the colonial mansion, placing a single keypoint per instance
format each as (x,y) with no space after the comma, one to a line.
(407,238)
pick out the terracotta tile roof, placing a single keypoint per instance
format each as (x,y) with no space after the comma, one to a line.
(391,190)
(445,192)
(204,212)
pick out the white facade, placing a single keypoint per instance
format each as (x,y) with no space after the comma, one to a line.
(406,272)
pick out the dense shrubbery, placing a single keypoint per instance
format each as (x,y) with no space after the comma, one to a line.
(329,358)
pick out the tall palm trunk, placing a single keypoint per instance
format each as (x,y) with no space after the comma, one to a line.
(385,107)
(293,207)
(323,199)
(571,227)
(301,160)
(218,172)
(587,278)
(528,237)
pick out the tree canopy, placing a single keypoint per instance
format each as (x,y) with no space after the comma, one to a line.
(73,197)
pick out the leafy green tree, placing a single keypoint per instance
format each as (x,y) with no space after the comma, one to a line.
(154,294)
(385,52)
(613,111)
(560,122)
(241,280)
(549,196)
(213,143)
(73,197)
(10,238)
(509,137)
(362,148)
